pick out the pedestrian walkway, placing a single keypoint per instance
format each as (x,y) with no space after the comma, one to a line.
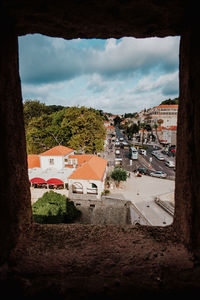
(142,191)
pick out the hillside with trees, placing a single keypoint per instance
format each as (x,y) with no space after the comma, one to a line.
(80,128)
(170,101)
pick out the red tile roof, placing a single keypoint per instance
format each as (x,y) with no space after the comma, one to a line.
(93,169)
(33,161)
(57,151)
(167,106)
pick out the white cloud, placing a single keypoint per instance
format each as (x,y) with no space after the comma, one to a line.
(123,75)
(166,83)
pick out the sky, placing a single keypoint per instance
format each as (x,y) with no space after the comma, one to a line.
(115,75)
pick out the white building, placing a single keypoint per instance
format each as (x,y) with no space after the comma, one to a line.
(55,158)
(164,115)
(169,135)
(89,178)
(83,175)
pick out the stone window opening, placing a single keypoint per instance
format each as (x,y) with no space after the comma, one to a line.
(51,161)
(167,267)
(77,188)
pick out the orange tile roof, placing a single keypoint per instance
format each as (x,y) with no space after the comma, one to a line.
(33,161)
(57,151)
(167,106)
(93,169)
(69,166)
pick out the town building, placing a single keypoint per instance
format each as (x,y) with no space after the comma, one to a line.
(81,175)
(164,115)
(110,130)
(55,158)
(167,135)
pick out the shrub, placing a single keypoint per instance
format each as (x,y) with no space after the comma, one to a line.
(107,192)
(53,208)
(119,174)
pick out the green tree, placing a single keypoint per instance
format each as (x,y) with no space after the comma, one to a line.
(170,101)
(155,126)
(117,120)
(79,128)
(45,132)
(143,127)
(33,109)
(54,208)
(119,174)
(86,127)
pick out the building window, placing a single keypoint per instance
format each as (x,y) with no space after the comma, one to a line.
(51,161)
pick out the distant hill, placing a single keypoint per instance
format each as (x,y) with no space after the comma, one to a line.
(170,101)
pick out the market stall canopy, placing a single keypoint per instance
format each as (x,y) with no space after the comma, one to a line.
(38,180)
(55,181)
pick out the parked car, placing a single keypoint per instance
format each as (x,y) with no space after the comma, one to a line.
(159,174)
(143,171)
(157,155)
(160,157)
(170,164)
(154,153)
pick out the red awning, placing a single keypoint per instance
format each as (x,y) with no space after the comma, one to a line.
(37,180)
(55,181)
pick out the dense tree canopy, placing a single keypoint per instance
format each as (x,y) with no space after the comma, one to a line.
(54,208)
(34,109)
(117,120)
(119,174)
(80,128)
(170,101)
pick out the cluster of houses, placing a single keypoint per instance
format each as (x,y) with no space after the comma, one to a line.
(81,174)
(164,116)
(60,168)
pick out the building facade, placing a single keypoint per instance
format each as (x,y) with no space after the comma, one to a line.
(164,115)
(81,175)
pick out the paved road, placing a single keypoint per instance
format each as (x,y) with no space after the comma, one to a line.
(141,191)
(144,160)
(133,190)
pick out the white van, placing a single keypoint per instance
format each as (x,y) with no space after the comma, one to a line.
(170,163)
(143,152)
(117,152)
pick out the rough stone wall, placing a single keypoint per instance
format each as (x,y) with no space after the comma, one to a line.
(97,19)
(15,208)
(104,261)
(103,212)
(187,192)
